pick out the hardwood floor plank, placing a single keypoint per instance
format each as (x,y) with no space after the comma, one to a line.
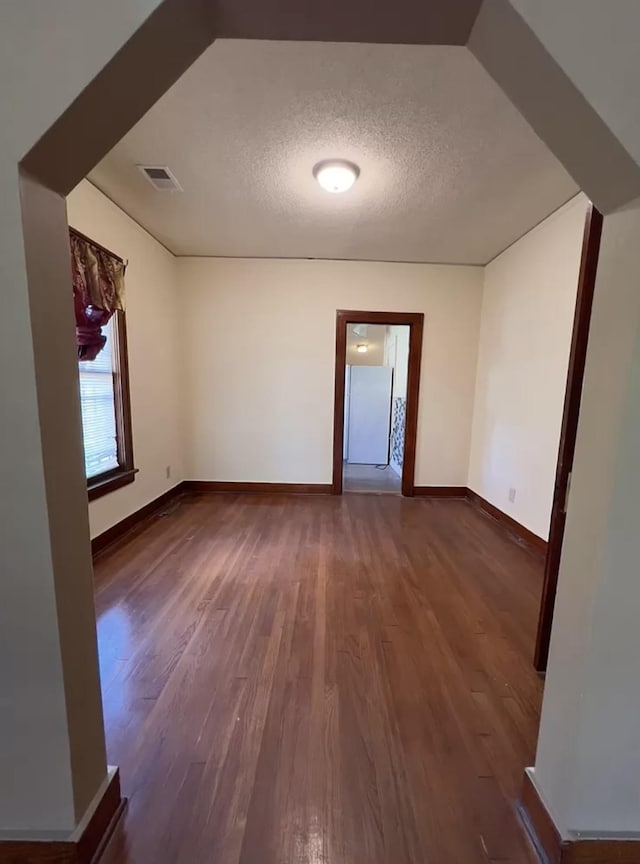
(321,680)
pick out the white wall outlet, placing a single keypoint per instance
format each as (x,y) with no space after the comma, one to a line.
(168,471)
(512,494)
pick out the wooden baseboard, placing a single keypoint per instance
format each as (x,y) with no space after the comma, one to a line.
(257,488)
(537,544)
(440,491)
(538,823)
(552,849)
(134,520)
(89,845)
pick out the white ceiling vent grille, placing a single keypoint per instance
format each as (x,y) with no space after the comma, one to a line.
(160,178)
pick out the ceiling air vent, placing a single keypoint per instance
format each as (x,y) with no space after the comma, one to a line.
(160,178)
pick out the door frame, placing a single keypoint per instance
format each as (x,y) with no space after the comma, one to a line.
(415,322)
(569,429)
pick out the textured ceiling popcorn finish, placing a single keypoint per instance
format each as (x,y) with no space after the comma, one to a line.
(449,170)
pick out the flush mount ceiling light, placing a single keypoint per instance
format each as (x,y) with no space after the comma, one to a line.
(336,175)
(361,349)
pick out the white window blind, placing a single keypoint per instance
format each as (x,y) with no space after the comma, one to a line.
(98,409)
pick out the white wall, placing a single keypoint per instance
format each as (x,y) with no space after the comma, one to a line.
(397,355)
(152,306)
(259,341)
(525,337)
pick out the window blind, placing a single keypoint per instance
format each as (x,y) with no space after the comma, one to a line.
(98,409)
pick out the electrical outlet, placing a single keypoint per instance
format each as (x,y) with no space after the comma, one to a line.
(168,471)
(512,494)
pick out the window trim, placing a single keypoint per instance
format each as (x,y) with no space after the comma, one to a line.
(125,473)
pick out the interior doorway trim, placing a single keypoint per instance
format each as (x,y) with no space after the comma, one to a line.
(568,430)
(415,322)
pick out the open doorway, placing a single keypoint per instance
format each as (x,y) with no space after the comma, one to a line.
(377,362)
(376,401)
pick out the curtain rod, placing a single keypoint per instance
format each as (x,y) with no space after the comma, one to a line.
(97,245)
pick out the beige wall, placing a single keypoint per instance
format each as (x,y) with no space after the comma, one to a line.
(154,354)
(588,759)
(259,339)
(259,312)
(51,741)
(525,336)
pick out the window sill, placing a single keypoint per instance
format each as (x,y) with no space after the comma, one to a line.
(103,485)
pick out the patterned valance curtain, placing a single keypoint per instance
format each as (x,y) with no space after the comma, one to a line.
(98,292)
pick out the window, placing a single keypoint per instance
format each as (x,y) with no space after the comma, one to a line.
(106,413)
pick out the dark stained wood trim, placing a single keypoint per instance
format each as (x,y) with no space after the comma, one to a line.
(102,822)
(608,851)
(535,543)
(338,402)
(359,316)
(86,850)
(122,393)
(415,322)
(440,491)
(109,482)
(125,472)
(218,486)
(538,822)
(568,429)
(134,520)
(552,849)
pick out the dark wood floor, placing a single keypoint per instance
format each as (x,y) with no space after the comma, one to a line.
(316,679)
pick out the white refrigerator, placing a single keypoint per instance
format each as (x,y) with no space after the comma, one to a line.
(367,423)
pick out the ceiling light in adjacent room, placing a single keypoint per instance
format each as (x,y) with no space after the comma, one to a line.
(361,349)
(336,175)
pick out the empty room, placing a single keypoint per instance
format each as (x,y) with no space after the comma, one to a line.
(252,574)
(307,433)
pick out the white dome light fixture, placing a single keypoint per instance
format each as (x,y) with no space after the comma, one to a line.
(362,348)
(336,175)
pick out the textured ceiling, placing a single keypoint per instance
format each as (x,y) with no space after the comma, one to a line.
(450,171)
